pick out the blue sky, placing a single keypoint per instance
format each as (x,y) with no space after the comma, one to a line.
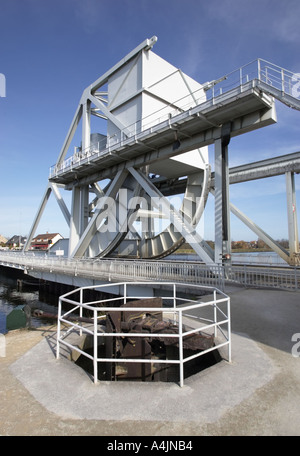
(51,50)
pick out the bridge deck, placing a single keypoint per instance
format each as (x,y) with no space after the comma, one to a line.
(90,271)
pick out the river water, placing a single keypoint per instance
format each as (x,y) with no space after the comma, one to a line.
(250,258)
(11,297)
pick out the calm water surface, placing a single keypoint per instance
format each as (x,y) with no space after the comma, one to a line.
(10,298)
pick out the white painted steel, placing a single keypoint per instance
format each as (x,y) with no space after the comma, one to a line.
(264,277)
(217,326)
(114,270)
(126,86)
(138,87)
(292,215)
(180,271)
(277,82)
(159,120)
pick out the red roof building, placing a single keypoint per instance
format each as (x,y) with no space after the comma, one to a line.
(45,241)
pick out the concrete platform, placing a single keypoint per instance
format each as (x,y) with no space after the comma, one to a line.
(257,394)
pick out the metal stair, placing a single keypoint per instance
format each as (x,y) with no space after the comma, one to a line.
(273,80)
(279,83)
(285,98)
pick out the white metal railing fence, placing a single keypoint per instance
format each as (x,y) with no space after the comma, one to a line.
(217,323)
(260,258)
(188,272)
(264,277)
(279,78)
(259,70)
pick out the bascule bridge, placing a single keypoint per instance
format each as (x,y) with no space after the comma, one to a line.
(145,131)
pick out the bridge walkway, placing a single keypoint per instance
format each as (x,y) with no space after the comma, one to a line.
(78,272)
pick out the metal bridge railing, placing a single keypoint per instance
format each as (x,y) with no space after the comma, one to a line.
(286,278)
(284,83)
(216,322)
(279,78)
(264,277)
(115,270)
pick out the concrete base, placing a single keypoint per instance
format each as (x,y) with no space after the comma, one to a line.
(66,390)
(257,394)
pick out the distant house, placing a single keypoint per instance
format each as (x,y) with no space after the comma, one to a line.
(3,240)
(16,242)
(45,241)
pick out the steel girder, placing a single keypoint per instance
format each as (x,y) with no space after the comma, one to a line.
(129,163)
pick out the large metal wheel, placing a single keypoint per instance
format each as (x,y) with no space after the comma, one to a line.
(118,236)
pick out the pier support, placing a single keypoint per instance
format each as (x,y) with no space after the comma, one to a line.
(292,218)
(222,208)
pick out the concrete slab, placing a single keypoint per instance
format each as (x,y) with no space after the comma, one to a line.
(66,390)
(257,394)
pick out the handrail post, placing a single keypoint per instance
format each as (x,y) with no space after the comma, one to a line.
(241,79)
(215,313)
(229,330)
(95,360)
(58,328)
(80,308)
(181,368)
(125,292)
(174,302)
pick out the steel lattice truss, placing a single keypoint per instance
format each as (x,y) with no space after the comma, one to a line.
(156,123)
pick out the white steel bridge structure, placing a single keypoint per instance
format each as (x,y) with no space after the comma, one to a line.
(89,272)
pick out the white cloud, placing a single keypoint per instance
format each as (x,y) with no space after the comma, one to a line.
(273,18)
(287,27)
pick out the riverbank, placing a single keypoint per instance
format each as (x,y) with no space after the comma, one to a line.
(257,394)
(29,294)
